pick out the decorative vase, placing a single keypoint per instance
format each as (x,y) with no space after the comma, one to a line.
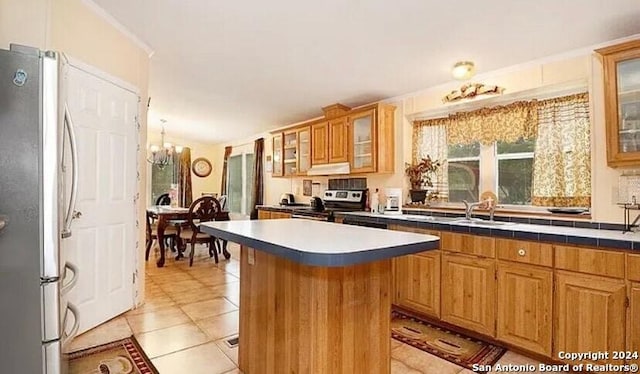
(418,196)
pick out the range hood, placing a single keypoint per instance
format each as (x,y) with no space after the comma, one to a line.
(330,169)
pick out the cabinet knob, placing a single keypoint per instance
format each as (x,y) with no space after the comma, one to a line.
(521,252)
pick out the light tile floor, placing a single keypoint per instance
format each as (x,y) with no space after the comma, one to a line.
(190,312)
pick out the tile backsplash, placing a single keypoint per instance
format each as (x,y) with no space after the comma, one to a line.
(348,184)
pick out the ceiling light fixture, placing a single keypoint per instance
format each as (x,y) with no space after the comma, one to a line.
(463,70)
(162,155)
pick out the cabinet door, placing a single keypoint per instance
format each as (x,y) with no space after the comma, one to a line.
(469,292)
(290,152)
(320,143)
(277,155)
(338,140)
(264,214)
(304,150)
(621,65)
(279,215)
(633,335)
(591,314)
(525,297)
(417,282)
(362,142)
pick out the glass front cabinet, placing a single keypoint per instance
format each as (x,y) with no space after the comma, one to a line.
(290,153)
(304,150)
(277,155)
(363,141)
(621,65)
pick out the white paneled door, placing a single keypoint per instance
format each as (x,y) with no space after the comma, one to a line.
(104,237)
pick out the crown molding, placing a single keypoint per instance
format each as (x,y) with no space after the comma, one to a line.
(100,12)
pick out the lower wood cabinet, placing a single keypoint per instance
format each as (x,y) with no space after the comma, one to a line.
(276,215)
(264,214)
(525,299)
(417,282)
(469,292)
(591,313)
(633,335)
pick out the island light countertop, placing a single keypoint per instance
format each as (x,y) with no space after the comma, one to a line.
(319,243)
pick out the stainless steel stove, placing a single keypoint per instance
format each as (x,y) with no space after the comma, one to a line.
(335,201)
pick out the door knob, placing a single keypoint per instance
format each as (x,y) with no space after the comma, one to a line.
(3,222)
(76,214)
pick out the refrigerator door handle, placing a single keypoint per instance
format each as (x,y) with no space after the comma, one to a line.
(67,287)
(71,212)
(66,338)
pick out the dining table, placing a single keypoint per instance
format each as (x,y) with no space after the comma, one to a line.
(167,215)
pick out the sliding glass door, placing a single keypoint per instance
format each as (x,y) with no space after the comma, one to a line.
(240,183)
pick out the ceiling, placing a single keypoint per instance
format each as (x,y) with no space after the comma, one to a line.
(226,70)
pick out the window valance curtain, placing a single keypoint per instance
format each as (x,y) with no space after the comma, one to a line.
(506,123)
(430,139)
(562,157)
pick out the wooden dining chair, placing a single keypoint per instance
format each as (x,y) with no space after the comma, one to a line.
(163,199)
(203,209)
(170,232)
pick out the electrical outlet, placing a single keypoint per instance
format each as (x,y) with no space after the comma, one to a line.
(251,256)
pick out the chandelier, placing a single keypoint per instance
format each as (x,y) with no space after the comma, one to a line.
(162,155)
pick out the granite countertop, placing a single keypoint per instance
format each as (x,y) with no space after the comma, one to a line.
(319,243)
(548,233)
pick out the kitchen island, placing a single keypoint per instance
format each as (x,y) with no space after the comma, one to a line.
(315,297)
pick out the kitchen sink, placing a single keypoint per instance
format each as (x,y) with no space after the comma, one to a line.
(421,217)
(480,222)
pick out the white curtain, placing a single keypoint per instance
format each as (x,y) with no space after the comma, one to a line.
(430,138)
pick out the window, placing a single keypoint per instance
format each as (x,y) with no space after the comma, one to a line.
(487,151)
(240,183)
(463,172)
(161,180)
(515,171)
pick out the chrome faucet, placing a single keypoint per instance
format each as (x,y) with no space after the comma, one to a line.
(469,208)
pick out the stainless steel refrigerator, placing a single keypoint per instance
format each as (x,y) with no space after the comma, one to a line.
(37,156)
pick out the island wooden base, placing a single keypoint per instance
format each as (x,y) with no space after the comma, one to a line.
(304,319)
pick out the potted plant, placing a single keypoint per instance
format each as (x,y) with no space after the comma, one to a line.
(420,175)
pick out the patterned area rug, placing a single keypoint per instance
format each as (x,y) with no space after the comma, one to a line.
(120,357)
(451,346)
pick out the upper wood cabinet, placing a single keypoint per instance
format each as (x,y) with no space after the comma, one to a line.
(290,151)
(338,140)
(363,137)
(320,143)
(304,150)
(277,155)
(622,102)
(296,151)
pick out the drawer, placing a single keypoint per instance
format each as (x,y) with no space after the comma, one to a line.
(417,230)
(633,267)
(525,252)
(469,244)
(590,261)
